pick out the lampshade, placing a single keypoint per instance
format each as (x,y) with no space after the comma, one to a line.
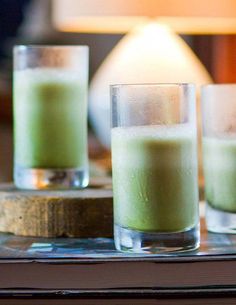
(119,16)
(151,53)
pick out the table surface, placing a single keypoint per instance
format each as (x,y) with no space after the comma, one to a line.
(214,247)
(15,247)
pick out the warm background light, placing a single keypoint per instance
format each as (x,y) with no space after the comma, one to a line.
(151,53)
(107,16)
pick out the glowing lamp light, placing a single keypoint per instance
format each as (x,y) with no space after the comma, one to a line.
(120,16)
(149,53)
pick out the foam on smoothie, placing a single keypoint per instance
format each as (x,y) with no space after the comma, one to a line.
(164,135)
(160,132)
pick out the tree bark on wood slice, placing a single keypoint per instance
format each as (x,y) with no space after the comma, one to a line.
(72,213)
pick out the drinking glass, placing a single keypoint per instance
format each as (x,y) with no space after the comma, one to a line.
(219,156)
(154,168)
(50,117)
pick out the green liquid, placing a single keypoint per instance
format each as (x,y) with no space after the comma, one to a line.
(154,179)
(219,157)
(50,119)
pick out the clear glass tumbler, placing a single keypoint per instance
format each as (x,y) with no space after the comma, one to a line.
(50,117)
(219,156)
(154,168)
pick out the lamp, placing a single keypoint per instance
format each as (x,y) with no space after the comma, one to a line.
(149,52)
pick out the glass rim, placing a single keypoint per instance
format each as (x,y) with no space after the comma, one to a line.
(153,84)
(47,46)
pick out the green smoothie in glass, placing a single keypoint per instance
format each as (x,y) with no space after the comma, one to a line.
(155,180)
(50,119)
(220,173)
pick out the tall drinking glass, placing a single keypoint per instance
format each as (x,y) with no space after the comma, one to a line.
(219,156)
(154,167)
(50,116)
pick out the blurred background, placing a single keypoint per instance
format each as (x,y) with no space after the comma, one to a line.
(33,22)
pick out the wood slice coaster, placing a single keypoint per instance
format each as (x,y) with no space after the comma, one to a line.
(71,213)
